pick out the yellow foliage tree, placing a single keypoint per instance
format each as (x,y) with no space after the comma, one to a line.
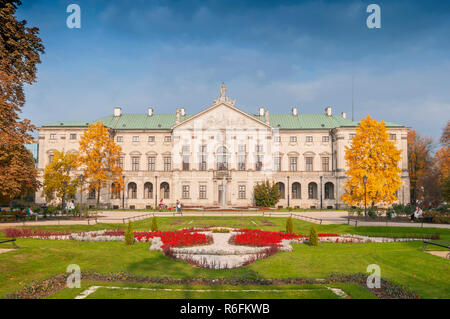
(57,176)
(372,154)
(99,157)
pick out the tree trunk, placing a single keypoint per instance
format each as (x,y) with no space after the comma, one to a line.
(98,197)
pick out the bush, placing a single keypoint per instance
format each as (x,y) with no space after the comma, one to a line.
(129,235)
(154,226)
(313,236)
(289,225)
(266,195)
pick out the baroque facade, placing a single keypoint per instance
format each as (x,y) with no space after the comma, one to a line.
(215,157)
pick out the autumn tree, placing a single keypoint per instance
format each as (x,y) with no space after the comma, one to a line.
(420,162)
(442,162)
(20,49)
(371,154)
(59,179)
(99,158)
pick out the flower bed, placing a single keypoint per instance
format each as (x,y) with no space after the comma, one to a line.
(256,237)
(29,233)
(177,238)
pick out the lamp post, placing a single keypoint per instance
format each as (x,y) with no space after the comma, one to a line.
(288,191)
(321,187)
(365,196)
(81,194)
(156,191)
(123,192)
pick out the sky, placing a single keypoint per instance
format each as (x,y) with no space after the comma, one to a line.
(276,54)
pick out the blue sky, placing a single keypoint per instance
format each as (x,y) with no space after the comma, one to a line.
(277,54)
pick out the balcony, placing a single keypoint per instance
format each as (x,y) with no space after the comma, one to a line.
(221,174)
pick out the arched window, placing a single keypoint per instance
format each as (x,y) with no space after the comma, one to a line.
(115,191)
(222,158)
(312,190)
(148,190)
(296,191)
(281,189)
(132,190)
(92,193)
(165,190)
(329,190)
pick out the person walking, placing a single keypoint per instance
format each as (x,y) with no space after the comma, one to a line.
(178,206)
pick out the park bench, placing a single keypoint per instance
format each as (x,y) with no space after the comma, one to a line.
(11,240)
(444,244)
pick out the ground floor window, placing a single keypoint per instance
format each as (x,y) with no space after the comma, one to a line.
(185,193)
(241,192)
(202,191)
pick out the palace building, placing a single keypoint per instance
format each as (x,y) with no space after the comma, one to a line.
(216,157)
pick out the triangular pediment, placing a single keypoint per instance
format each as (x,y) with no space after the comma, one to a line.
(222,115)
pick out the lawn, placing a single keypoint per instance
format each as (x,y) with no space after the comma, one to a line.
(123,290)
(402,263)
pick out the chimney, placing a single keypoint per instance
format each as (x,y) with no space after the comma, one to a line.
(267,116)
(294,111)
(261,111)
(117,111)
(328,110)
(178,117)
(182,111)
(344,115)
(150,111)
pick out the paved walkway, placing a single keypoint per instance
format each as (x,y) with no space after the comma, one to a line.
(318,217)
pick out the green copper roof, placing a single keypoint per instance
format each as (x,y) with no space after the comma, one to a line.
(167,121)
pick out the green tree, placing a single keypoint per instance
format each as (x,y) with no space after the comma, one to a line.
(129,235)
(154,226)
(289,225)
(313,236)
(266,194)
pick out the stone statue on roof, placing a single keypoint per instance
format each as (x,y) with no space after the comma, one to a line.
(223,90)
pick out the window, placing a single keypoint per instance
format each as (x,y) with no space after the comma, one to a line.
(259,148)
(241,192)
(222,160)
(115,191)
(312,191)
(185,193)
(53,136)
(241,162)
(185,149)
(121,162)
(293,139)
(202,162)
(277,163)
(135,138)
(203,149)
(119,139)
(241,148)
(167,163)
(259,162)
(73,136)
(309,139)
(135,163)
(296,191)
(392,137)
(202,191)
(151,138)
(168,138)
(325,164)
(325,139)
(352,136)
(91,194)
(185,162)
(148,190)
(151,163)
(277,139)
(329,190)
(309,164)
(50,157)
(293,164)
(132,190)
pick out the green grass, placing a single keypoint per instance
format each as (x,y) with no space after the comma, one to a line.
(213,292)
(401,263)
